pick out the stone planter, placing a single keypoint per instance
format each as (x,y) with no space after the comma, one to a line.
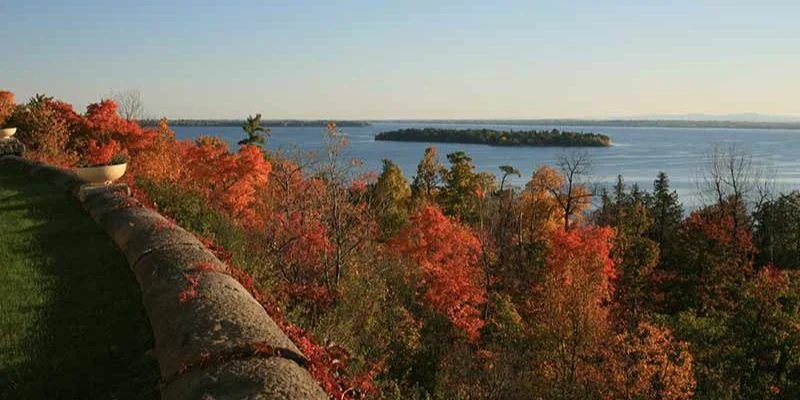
(7,133)
(105,174)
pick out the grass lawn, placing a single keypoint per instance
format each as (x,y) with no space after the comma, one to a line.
(72,325)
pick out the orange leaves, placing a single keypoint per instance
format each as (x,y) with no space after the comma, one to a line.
(577,281)
(569,307)
(447,254)
(250,172)
(227,180)
(583,251)
(99,154)
(6,106)
(102,123)
(650,363)
(161,160)
(538,207)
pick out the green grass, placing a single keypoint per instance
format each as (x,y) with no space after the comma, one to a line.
(72,325)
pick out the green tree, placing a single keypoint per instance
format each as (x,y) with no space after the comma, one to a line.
(391,196)
(714,261)
(462,187)
(507,171)
(256,134)
(777,232)
(667,212)
(635,255)
(753,350)
(425,186)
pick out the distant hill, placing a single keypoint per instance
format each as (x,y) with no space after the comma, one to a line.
(741,117)
(666,123)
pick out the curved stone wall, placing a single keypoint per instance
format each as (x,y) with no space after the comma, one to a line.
(213,340)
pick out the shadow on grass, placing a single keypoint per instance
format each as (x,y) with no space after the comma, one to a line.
(90,338)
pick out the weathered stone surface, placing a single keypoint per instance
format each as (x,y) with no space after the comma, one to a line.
(87,191)
(11,147)
(211,315)
(59,177)
(262,379)
(169,262)
(138,231)
(102,203)
(19,162)
(62,178)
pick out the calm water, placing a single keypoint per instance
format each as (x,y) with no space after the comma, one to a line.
(638,153)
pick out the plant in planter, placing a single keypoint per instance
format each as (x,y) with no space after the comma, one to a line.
(6,109)
(102,163)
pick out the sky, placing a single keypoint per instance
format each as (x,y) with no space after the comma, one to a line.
(409,59)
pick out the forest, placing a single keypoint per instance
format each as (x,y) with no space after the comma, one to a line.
(497,138)
(456,285)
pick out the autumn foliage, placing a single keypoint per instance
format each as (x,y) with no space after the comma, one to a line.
(6,106)
(446,286)
(447,255)
(225,179)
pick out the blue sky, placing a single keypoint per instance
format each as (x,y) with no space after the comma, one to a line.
(409,59)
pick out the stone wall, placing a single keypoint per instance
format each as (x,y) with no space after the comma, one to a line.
(11,147)
(213,340)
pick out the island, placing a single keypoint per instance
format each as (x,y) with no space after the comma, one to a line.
(554,137)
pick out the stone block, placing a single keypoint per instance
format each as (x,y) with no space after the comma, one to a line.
(170,262)
(11,147)
(138,231)
(205,313)
(261,379)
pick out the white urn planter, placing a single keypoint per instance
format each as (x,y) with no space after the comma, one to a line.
(105,174)
(7,133)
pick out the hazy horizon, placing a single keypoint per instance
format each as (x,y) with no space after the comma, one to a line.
(454,60)
(744,117)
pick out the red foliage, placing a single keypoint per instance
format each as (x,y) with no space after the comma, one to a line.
(584,251)
(570,310)
(190,291)
(160,161)
(448,255)
(715,259)
(290,229)
(6,106)
(102,123)
(227,180)
(99,154)
(714,224)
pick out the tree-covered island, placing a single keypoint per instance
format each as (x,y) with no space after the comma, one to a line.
(492,137)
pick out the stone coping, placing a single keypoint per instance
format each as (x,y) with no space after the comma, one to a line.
(213,340)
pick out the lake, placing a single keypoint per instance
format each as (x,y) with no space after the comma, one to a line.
(638,153)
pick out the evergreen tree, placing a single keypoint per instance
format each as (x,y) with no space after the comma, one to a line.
(777,231)
(460,194)
(255,132)
(666,210)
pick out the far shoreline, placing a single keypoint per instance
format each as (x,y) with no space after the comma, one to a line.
(607,123)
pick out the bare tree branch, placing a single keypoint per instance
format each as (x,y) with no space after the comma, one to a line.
(129,104)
